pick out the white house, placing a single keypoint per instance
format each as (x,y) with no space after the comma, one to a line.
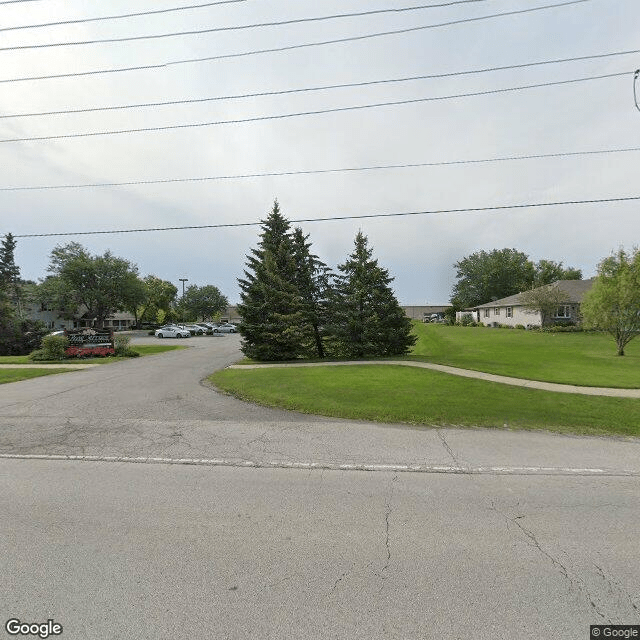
(510,311)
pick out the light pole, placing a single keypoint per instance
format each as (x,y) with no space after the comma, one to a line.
(183,280)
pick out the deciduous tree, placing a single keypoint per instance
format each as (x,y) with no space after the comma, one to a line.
(203,302)
(545,300)
(100,285)
(484,276)
(613,303)
(159,296)
(548,271)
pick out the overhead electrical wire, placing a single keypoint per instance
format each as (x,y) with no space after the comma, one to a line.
(210,4)
(308,44)
(258,25)
(17,1)
(282,116)
(119,16)
(437,75)
(310,89)
(408,165)
(164,65)
(528,205)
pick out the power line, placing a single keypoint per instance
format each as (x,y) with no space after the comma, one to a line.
(119,16)
(17,1)
(309,89)
(411,165)
(333,218)
(210,4)
(288,47)
(282,116)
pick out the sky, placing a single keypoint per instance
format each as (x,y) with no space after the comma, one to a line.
(419,251)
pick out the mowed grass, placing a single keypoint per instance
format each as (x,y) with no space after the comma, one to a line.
(390,393)
(585,359)
(15,375)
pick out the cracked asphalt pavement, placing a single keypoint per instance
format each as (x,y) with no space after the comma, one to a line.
(541,543)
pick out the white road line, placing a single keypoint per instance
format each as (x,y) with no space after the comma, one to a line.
(329,466)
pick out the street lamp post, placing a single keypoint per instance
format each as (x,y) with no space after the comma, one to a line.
(183,280)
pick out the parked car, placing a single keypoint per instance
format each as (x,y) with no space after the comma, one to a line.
(171,331)
(225,327)
(194,329)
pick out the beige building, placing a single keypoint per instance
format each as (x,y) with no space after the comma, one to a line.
(509,311)
(231,315)
(54,319)
(423,313)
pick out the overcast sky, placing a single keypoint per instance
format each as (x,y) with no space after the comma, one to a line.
(419,251)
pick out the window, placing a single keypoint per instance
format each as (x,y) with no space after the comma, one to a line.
(496,311)
(509,312)
(563,312)
(487,313)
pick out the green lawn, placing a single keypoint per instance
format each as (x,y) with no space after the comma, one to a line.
(14,375)
(586,359)
(142,349)
(390,393)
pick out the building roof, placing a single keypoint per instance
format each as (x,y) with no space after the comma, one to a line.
(575,290)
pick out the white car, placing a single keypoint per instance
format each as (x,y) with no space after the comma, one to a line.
(171,331)
(225,327)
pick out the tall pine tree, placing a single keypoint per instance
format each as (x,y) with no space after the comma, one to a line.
(9,271)
(367,320)
(313,282)
(271,308)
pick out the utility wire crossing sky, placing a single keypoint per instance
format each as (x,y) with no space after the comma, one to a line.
(228,93)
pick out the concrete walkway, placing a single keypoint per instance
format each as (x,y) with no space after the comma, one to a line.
(466,373)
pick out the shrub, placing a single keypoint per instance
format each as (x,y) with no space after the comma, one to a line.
(519,326)
(20,337)
(37,355)
(121,345)
(54,347)
(450,316)
(562,329)
(466,320)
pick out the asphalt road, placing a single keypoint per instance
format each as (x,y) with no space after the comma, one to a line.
(456,533)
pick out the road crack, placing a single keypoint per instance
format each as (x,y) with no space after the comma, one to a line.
(445,444)
(574,581)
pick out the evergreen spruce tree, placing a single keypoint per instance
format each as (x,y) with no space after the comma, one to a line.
(367,320)
(313,281)
(273,326)
(9,271)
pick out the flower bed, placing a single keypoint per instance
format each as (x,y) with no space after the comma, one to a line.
(89,352)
